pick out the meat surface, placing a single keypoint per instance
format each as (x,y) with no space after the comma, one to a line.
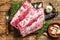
(32,22)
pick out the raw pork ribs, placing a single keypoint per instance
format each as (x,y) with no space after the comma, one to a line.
(28,19)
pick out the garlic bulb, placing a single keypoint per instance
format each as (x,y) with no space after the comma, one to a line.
(49,9)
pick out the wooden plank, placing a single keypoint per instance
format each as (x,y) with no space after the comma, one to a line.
(4,1)
(2,17)
(5,7)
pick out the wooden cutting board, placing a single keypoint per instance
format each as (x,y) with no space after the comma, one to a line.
(4,8)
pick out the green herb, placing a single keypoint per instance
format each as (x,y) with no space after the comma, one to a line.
(44,28)
(14,8)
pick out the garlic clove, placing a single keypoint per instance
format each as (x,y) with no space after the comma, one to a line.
(40,5)
(53,31)
(52,28)
(58,32)
(56,26)
(35,5)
